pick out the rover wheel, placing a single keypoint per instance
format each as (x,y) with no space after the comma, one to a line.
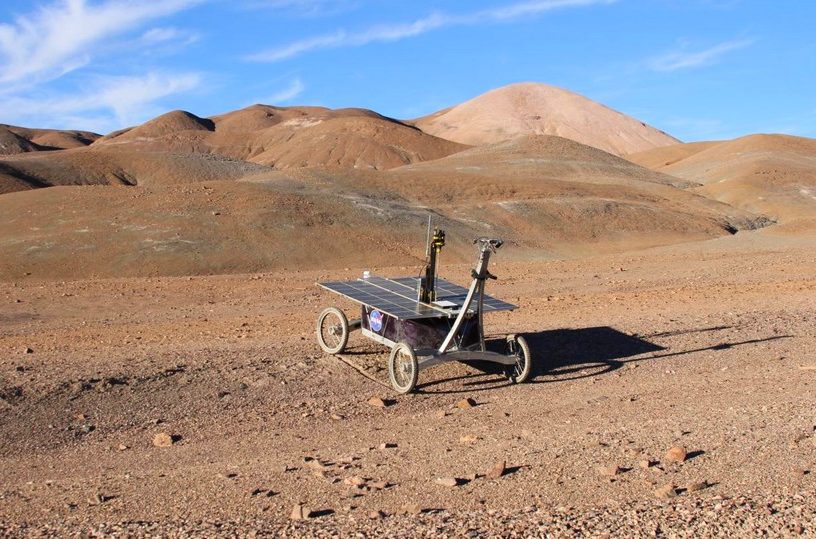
(332,330)
(403,369)
(516,346)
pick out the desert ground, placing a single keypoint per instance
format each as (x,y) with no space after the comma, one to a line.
(160,376)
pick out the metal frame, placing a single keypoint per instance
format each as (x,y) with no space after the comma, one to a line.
(448,350)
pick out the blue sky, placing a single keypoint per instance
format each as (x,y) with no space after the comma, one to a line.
(698,69)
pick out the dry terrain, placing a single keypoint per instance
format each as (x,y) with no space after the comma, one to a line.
(541,109)
(159,374)
(708,346)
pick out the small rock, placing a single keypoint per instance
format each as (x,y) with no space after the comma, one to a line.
(665,492)
(376,515)
(377,402)
(497,470)
(163,439)
(442,413)
(122,447)
(354,481)
(464,404)
(300,512)
(646,464)
(316,465)
(28,350)
(676,454)
(378,485)
(447,481)
(412,509)
(337,417)
(609,471)
(388,445)
(697,486)
(468,439)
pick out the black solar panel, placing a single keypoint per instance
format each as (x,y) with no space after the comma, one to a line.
(446,290)
(397,297)
(397,303)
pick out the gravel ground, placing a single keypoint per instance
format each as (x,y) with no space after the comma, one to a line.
(200,407)
(781,516)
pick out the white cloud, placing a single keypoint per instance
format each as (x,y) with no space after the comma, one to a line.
(62,36)
(675,60)
(159,35)
(395,32)
(67,36)
(308,8)
(294,89)
(110,103)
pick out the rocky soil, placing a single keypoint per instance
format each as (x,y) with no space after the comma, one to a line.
(674,396)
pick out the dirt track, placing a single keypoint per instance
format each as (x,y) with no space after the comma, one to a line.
(707,345)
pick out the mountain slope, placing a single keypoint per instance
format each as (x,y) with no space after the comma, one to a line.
(774,175)
(541,109)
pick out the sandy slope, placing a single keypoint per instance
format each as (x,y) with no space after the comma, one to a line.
(706,345)
(550,197)
(541,109)
(773,175)
(45,139)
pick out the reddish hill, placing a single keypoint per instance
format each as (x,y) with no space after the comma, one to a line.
(774,175)
(51,139)
(541,109)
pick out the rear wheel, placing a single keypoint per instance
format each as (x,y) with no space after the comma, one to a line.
(403,369)
(516,347)
(332,330)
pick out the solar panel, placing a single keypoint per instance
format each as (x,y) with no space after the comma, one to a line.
(446,290)
(387,296)
(397,297)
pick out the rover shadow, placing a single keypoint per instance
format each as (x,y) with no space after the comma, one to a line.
(569,354)
(564,353)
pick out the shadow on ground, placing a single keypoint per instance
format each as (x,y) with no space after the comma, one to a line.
(569,354)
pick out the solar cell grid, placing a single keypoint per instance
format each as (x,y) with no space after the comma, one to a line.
(397,297)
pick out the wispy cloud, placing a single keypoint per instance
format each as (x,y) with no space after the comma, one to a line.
(294,89)
(63,36)
(164,35)
(304,8)
(435,21)
(685,59)
(112,102)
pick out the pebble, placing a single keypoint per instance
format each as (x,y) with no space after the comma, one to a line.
(646,464)
(447,481)
(697,486)
(28,350)
(464,404)
(163,439)
(610,471)
(468,439)
(412,509)
(497,470)
(300,512)
(676,454)
(666,492)
(388,445)
(354,481)
(377,402)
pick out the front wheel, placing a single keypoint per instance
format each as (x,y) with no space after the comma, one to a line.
(516,347)
(403,369)
(332,330)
